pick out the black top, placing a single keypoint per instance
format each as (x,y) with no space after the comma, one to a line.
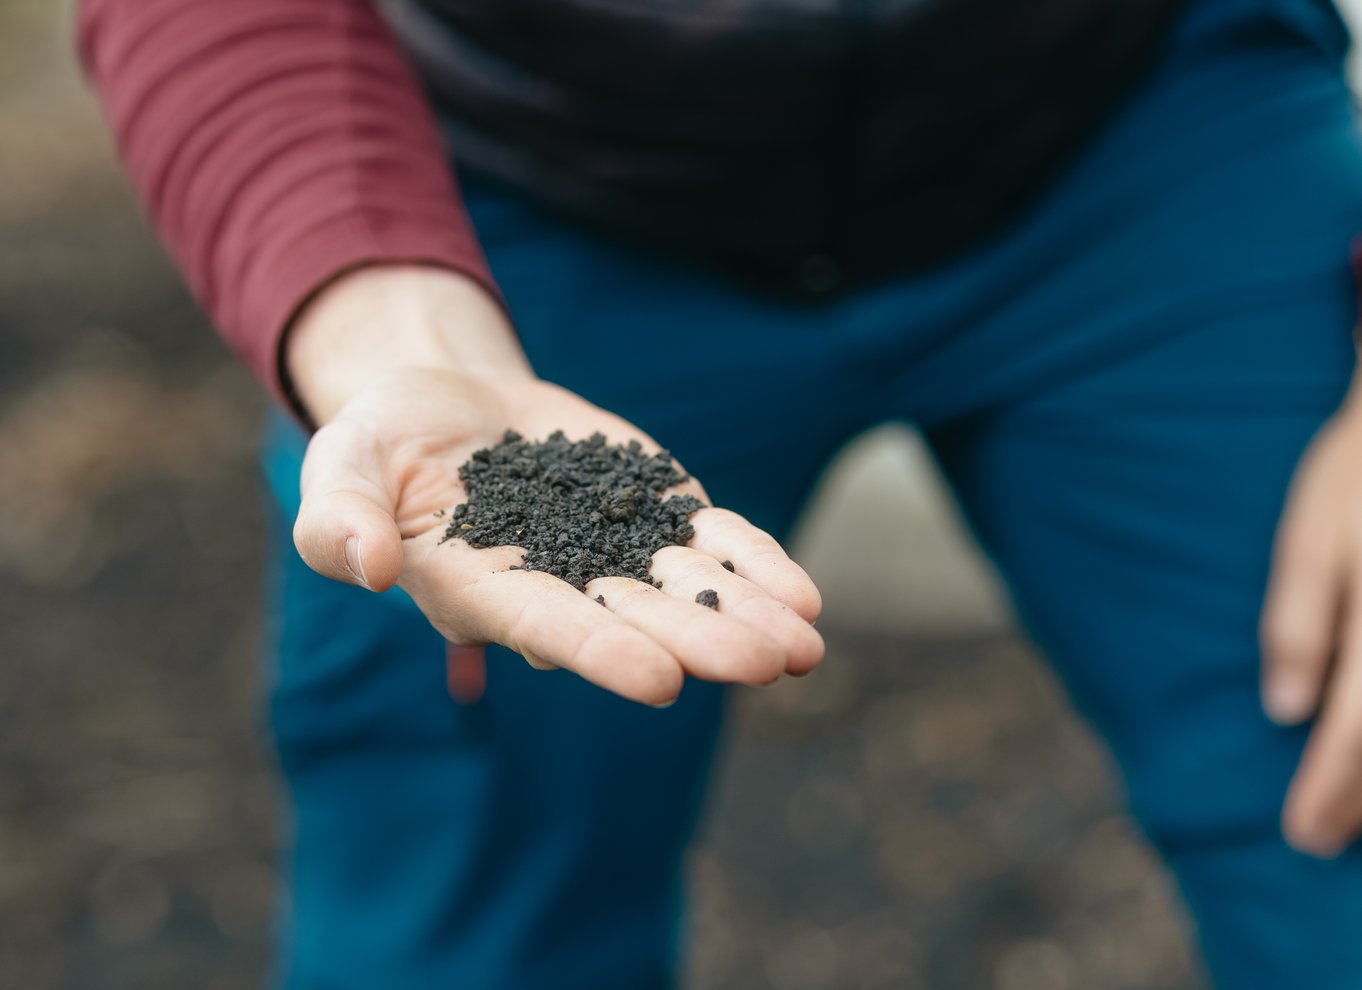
(806,145)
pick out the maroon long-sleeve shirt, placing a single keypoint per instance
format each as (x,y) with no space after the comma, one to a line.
(275,144)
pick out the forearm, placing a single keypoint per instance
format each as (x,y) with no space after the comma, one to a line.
(383,318)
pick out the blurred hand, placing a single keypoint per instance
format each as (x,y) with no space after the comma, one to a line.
(1312,636)
(410,371)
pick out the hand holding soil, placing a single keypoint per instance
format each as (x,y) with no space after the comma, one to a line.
(382,477)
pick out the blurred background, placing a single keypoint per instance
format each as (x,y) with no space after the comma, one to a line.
(922,812)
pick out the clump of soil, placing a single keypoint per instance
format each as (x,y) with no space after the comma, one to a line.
(709,598)
(580,509)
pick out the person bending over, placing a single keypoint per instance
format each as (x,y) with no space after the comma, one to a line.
(1097,250)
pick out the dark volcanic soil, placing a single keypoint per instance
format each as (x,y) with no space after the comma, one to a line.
(581,509)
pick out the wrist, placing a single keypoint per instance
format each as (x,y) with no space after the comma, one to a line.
(378,319)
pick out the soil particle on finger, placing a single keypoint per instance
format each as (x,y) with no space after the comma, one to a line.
(580,509)
(727,565)
(709,598)
(600,599)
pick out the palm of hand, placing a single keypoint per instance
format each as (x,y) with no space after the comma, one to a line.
(377,476)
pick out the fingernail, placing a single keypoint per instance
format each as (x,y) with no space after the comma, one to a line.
(1288,700)
(352,561)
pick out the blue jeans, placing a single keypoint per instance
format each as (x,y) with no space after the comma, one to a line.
(1118,388)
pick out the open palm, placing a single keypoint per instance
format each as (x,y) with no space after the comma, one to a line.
(378,475)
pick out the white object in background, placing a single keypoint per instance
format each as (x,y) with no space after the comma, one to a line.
(885,545)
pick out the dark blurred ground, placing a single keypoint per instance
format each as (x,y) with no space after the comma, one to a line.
(918,814)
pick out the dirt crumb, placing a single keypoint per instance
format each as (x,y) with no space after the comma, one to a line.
(709,598)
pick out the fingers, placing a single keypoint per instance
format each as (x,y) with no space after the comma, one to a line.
(556,623)
(1324,806)
(708,645)
(472,596)
(644,642)
(684,573)
(1300,615)
(345,528)
(756,556)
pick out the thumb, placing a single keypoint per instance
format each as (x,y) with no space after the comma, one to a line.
(345,528)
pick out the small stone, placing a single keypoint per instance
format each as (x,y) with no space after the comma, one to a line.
(621,505)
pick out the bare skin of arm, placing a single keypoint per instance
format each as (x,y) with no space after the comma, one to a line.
(408,370)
